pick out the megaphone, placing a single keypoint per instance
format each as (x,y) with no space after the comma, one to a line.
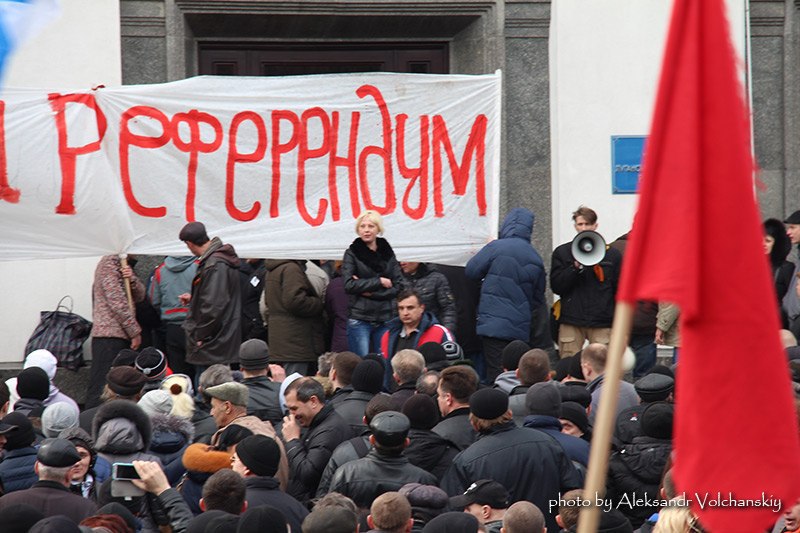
(588,248)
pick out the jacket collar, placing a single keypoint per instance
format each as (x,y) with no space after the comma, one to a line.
(326,411)
(262,482)
(501,428)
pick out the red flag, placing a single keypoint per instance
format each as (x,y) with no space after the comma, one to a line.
(697,242)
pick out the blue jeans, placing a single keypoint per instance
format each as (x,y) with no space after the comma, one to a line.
(644,347)
(364,337)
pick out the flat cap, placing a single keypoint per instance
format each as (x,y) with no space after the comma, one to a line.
(390,428)
(488,404)
(654,387)
(233,392)
(794,218)
(58,453)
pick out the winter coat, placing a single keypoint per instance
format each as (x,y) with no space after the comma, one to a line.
(122,433)
(52,498)
(429,331)
(513,279)
(349,450)
(637,468)
(308,457)
(361,268)
(577,449)
(251,278)
(263,399)
(527,462)
(171,435)
(201,462)
(265,491)
(586,301)
(16,470)
(365,479)
(170,279)
(336,301)
(296,326)
(352,408)
(434,292)
(455,427)
(628,397)
(214,318)
(430,452)
(203,422)
(112,315)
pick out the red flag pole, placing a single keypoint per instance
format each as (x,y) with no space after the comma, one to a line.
(604,428)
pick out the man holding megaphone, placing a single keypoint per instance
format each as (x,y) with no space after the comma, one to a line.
(584,273)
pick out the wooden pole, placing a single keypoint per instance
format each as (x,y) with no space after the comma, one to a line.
(123,260)
(594,489)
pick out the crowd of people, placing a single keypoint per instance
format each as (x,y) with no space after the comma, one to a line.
(370,394)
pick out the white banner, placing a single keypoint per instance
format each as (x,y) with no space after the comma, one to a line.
(278,167)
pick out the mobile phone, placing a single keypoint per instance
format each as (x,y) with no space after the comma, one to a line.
(124,471)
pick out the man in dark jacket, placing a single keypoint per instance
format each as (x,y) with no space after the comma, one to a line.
(456,386)
(367,382)
(433,290)
(427,450)
(544,405)
(256,460)
(412,327)
(513,287)
(213,325)
(587,293)
(51,495)
(16,469)
(385,468)
(326,430)
(252,273)
(530,464)
(262,391)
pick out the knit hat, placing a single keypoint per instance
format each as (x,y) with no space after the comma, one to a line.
(233,434)
(368,377)
(152,363)
(512,353)
(253,355)
(262,519)
(654,387)
(125,357)
(575,369)
(483,492)
(19,518)
(233,392)
(194,232)
(434,354)
(656,420)
(58,453)
(488,404)
(58,417)
(574,391)
(180,387)
(452,522)
(330,520)
(20,437)
(44,360)
(543,399)
(390,428)
(422,411)
(33,383)
(260,454)
(156,402)
(453,351)
(125,380)
(575,413)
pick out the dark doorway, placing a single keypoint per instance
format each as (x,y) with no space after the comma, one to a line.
(287,59)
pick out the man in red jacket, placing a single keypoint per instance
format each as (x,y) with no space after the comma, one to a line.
(412,327)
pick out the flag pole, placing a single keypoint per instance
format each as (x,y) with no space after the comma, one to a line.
(123,261)
(595,486)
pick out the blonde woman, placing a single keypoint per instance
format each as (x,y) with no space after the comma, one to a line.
(372,279)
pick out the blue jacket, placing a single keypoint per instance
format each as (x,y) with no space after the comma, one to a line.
(577,449)
(513,279)
(16,470)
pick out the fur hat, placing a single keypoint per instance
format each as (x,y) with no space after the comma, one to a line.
(126,410)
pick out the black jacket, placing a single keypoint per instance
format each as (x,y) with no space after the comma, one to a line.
(352,408)
(267,491)
(585,300)
(349,450)
(430,452)
(263,399)
(308,458)
(365,479)
(530,464)
(637,468)
(456,428)
(369,300)
(435,293)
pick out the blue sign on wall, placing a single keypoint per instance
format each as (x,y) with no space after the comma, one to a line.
(626,163)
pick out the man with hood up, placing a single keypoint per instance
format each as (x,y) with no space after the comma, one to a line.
(213,325)
(170,279)
(513,287)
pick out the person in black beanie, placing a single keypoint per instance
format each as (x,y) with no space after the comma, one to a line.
(33,387)
(530,464)
(453,522)
(367,381)
(256,460)
(575,421)
(152,363)
(16,469)
(434,354)
(510,357)
(427,450)
(263,519)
